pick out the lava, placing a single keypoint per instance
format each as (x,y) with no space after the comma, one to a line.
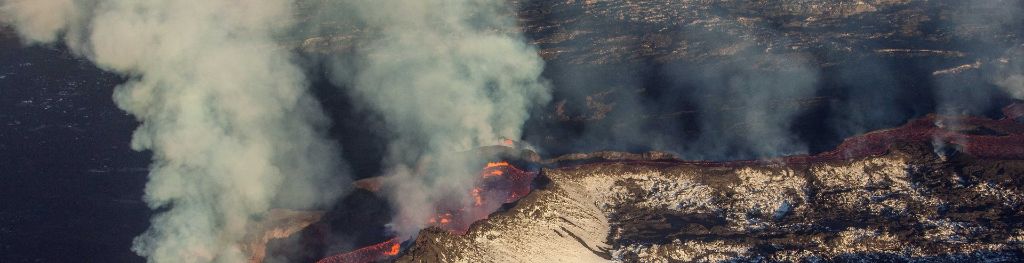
(374,253)
(497,184)
(495,165)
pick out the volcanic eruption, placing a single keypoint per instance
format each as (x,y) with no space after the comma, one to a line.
(538,131)
(498,183)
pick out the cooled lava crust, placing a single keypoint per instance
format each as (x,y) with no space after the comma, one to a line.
(936,189)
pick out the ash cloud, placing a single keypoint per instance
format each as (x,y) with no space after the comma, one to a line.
(224,111)
(446,77)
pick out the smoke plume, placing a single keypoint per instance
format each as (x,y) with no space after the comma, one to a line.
(447,76)
(223,108)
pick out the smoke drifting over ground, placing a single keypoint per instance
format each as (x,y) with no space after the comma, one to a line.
(224,111)
(988,28)
(755,79)
(738,102)
(446,76)
(745,102)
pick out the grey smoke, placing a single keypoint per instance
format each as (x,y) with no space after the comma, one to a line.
(751,105)
(871,99)
(224,111)
(741,100)
(447,76)
(1010,72)
(987,29)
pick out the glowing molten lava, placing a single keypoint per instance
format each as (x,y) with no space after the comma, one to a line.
(495,165)
(498,183)
(372,253)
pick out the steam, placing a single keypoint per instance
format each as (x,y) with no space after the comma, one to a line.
(447,76)
(224,111)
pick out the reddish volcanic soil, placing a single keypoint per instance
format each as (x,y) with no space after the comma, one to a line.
(977,136)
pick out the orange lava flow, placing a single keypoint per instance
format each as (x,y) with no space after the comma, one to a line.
(368,254)
(498,183)
(494,173)
(495,164)
(394,249)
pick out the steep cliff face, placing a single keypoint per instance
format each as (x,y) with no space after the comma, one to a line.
(907,204)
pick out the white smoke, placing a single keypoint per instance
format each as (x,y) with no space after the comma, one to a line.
(447,76)
(224,111)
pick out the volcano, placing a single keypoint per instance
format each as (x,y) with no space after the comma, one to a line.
(653,131)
